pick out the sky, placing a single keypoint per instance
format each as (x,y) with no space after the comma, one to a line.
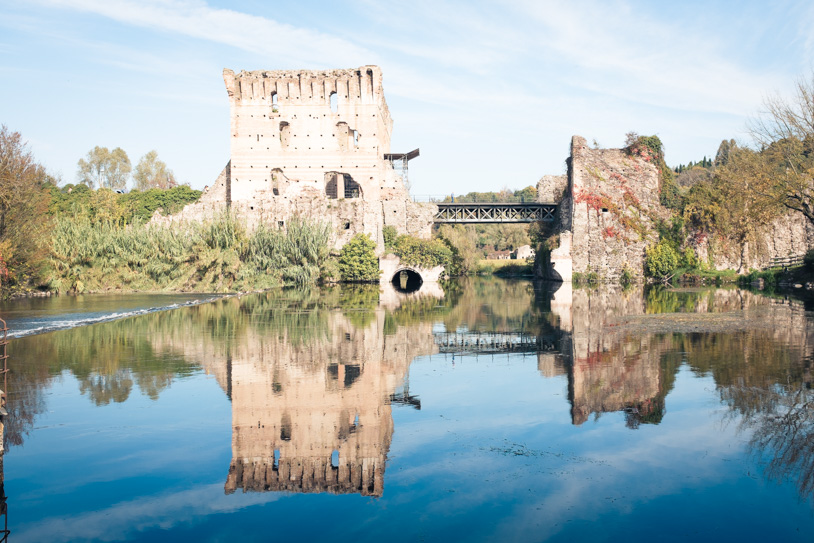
(490,91)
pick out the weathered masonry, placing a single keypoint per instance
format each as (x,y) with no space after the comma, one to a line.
(314,144)
(607,211)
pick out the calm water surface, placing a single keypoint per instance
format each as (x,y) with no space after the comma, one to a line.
(501,411)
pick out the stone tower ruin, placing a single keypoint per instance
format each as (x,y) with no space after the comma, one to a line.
(313,144)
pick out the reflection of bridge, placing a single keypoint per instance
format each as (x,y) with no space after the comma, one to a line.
(494,212)
(493,342)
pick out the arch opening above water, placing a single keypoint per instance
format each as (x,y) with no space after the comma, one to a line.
(407,280)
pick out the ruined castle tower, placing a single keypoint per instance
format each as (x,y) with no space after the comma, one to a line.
(314,144)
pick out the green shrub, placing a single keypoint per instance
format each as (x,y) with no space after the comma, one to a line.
(661,260)
(689,259)
(808,260)
(424,253)
(357,260)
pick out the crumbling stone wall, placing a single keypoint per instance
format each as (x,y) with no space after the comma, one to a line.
(608,205)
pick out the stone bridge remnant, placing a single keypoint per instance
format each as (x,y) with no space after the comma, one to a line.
(314,144)
(608,206)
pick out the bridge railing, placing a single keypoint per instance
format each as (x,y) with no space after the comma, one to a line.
(465,199)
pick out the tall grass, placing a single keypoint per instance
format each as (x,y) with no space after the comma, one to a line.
(215,256)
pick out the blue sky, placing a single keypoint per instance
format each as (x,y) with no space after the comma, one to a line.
(491,92)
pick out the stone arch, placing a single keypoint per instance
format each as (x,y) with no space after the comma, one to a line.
(407,280)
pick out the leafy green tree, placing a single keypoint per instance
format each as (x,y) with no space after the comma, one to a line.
(357,260)
(724,150)
(661,260)
(465,254)
(528,194)
(152,173)
(420,252)
(734,203)
(104,168)
(24,224)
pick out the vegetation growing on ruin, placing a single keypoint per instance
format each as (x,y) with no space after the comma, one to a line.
(650,149)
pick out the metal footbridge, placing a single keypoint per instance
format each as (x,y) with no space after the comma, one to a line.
(495,212)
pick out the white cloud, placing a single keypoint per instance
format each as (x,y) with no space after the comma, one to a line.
(298,47)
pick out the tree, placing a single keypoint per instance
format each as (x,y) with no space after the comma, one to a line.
(103,168)
(357,260)
(733,203)
(528,194)
(152,173)
(693,176)
(785,133)
(724,150)
(23,210)
(661,261)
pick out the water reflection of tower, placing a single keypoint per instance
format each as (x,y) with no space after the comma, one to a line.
(316,416)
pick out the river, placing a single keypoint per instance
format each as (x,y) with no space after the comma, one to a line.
(491,410)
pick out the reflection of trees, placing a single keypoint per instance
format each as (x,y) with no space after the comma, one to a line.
(782,422)
(104,388)
(498,305)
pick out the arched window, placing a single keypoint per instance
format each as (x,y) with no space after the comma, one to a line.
(334,102)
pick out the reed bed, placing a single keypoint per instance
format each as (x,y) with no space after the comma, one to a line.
(220,255)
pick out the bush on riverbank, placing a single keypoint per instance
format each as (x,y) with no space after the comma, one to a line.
(357,260)
(215,256)
(421,252)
